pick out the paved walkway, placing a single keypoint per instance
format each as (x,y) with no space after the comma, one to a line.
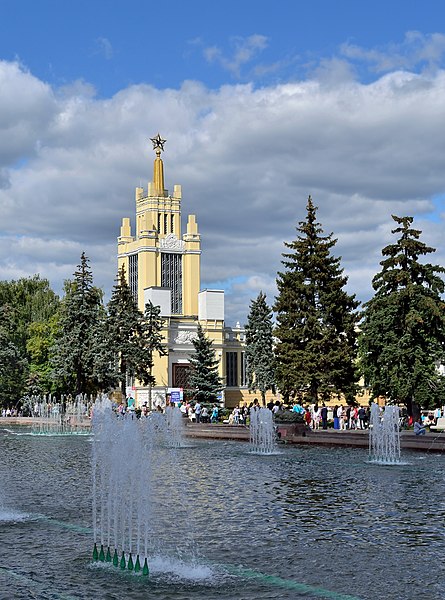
(430,442)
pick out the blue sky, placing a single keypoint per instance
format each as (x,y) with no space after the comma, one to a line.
(262,104)
(113,44)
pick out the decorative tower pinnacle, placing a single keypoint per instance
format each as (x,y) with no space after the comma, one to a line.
(158,169)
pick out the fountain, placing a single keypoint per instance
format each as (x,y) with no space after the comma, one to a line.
(262,432)
(175,427)
(64,417)
(121,490)
(384,435)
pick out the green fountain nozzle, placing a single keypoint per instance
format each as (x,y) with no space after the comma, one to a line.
(122,563)
(130,565)
(115,558)
(108,556)
(102,553)
(137,566)
(145,570)
(95,552)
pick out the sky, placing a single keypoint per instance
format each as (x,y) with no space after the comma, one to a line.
(261,104)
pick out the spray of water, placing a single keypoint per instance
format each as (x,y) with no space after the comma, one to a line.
(384,435)
(262,431)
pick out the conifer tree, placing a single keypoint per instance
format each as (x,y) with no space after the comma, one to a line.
(80,345)
(402,336)
(204,381)
(125,332)
(259,347)
(316,318)
(153,341)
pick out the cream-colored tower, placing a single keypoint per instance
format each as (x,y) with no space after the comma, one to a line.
(164,266)
(157,255)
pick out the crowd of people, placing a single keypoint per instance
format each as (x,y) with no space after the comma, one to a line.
(315,416)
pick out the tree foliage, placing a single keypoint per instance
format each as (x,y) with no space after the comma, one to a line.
(152,338)
(316,318)
(259,347)
(26,305)
(126,333)
(13,365)
(81,358)
(403,326)
(204,381)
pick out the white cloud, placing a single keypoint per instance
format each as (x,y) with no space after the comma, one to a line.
(104,48)
(244,50)
(416,50)
(246,158)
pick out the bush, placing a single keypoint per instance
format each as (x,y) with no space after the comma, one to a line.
(288,416)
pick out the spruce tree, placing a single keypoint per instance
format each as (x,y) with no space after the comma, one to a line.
(204,381)
(402,336)
(125,333)
(316,318)
(153,341)
(259,347)
(80,341)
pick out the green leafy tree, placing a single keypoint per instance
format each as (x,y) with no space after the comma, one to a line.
(126,333)
(41,339)
(30,303)
(78,356)
(316,318)
(259,347)
(403,326)
(204,381)
(153,341)
(13,365)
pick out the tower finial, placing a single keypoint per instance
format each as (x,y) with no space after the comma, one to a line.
(158,170)
(158,143)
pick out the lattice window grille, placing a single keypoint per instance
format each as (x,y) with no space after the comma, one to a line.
(133,275)
(171,277)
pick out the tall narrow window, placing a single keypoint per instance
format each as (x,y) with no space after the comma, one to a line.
(232,369)
(133,275)
(165,224)
(159,223)
(172,223)
(171,277)
(243,369)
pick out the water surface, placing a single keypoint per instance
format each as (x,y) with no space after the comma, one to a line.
(306,523)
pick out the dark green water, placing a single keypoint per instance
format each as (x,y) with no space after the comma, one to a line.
(307,523)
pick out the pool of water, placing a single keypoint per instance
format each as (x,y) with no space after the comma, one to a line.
(306,523)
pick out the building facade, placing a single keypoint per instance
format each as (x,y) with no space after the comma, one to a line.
(163,265)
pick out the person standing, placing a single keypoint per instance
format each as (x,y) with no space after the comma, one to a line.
(214,418)
(341,417)
(324,416)
(198,412)
(361,417)
(316,416)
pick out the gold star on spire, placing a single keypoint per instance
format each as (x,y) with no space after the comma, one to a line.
(158,142)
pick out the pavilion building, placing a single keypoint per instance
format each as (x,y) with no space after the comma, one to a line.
(163,265)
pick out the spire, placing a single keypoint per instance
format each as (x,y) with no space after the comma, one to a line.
(158,170)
